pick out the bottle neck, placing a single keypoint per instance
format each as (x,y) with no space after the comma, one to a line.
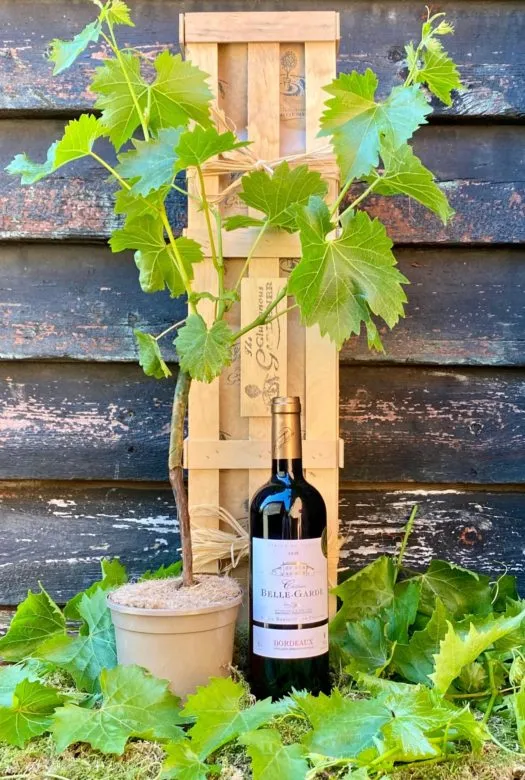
(287,445)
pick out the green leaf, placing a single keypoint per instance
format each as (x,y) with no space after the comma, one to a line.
(113,575)
(241,221)
(457,651)
(364,594)
(357,122)
(151,164)
(36,619)
(172,570)
(439,73)
(10,676)
(93,650)
(179,93)
(134,704)
(155,261)
(505,587)
(119,112)
(415,661)
(29,171)
(30,712)
(462,592)
(518,703)
(473,678)
(182,763)
(150,356)
(199,144)
(135,207)
(220,715)
(118,13)
(64,53)
(405,174)
(342,728)
(78,139)
(271,760)
(340,280)
(204,352)
(278,195)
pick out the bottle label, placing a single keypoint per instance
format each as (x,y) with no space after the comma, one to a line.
(290,643)
(289,581)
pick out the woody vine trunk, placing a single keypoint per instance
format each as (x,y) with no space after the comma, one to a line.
(175,462)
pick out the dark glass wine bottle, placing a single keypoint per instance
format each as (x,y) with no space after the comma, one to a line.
(288,570)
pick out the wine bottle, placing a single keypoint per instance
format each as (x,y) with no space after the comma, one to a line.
(288,570)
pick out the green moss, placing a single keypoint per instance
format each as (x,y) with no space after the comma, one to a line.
(492,764)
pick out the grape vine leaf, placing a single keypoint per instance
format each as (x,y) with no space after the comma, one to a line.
(363,595)
(462,592)
(113,575)
(270,759)
(10,676)
(455,651)
(241,221)
(93,650)
(405,174)
(278,195)
(199,144)
(182,763)
(64,53)
(415,661)
(204,352)
(134,704)
(36,619)
(150,356)
(30,712)
(154,259)
(29,171)
(119,111)
(151,164)
(342,728)
(518,705)
(220,715)
(135,207)
(340,280)
(118,13)
(179,93)
(357,122)
(171,570)
(439,73)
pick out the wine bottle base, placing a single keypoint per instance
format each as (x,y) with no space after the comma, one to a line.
(277,678)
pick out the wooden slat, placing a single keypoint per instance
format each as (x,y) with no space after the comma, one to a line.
(479,530)
(482,530)
(487,45)
(483,170)
(256,454)
(101,421)
(261,26)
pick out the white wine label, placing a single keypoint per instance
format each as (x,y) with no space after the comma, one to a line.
(290,643)
(289,581)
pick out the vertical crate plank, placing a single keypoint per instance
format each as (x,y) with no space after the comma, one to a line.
(203,411)
(263,130)
(322,384)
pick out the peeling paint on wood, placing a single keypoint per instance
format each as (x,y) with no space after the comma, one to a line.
(487,47)
(481,531)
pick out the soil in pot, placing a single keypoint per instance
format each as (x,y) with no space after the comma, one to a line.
(181,634)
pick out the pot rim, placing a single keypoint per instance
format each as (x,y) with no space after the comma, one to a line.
(163,612)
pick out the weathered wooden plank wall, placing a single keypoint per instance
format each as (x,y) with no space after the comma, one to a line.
(439,420)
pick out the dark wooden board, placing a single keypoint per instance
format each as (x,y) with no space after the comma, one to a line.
(77,301)
(57,533)
(486,47)
(108,421)
(484,531)
(482,170)
(66,301)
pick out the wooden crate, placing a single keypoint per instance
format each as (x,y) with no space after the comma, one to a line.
(268,70)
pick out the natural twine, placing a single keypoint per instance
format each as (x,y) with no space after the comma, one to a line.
(243,160)
(229,549)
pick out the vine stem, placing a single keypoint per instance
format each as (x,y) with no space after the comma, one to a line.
(118,55)
(261,319)
(168,330)
(406,536)
(494,692)
(176,474)
(361,197)
(260,234)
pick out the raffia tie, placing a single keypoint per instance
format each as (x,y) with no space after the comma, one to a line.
(241,161)
(228,548)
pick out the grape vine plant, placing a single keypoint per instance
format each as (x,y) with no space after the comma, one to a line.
(158,115)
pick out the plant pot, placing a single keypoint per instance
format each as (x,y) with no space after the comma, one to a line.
(184,646)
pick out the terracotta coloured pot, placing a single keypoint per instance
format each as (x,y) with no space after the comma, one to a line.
(186,648)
